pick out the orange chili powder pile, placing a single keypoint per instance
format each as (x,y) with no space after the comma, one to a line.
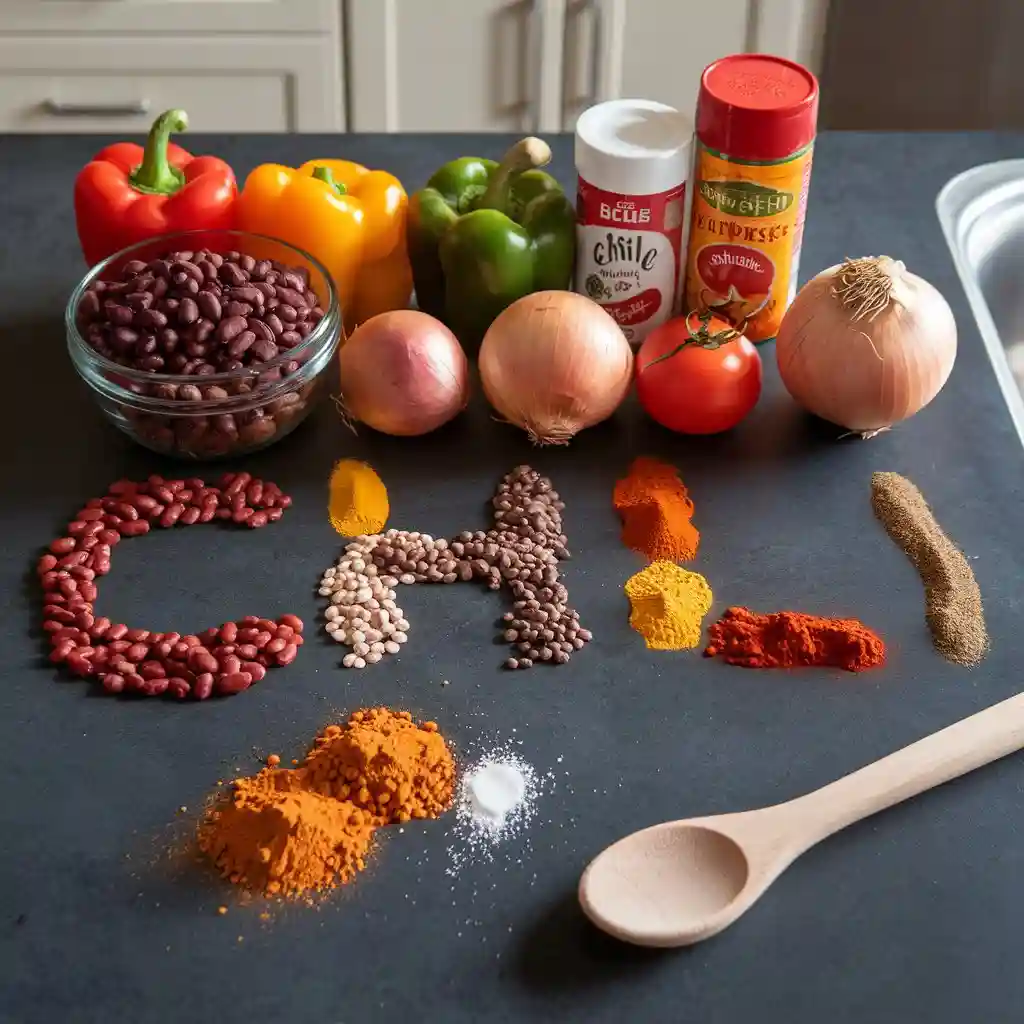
(792,639)
(656,512)
(293,831)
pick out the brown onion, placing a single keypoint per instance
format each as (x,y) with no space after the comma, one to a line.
(403,373)
(866,344)
(553,363)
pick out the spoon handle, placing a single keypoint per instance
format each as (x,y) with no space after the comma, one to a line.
(954,751)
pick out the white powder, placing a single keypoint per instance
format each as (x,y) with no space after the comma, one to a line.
(496,799)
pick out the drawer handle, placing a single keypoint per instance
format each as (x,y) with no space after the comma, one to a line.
(60,109)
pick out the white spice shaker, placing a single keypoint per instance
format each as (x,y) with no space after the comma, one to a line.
(633,158)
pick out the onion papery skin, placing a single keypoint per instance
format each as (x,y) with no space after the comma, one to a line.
(403,373)
(866,375)
(554,363)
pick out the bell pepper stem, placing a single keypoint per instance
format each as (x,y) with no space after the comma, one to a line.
(324,174)
(523,156)
(155,175)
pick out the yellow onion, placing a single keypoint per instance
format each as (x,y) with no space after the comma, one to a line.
(554,363)
(866,344)
(403,373)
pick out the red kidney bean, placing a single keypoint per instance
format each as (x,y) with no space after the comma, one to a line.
(203,686)
(79,664)
(90,515)
(84,620)
(88,590)
(99,627)
(242,515)
(68,587)
(178,687)
(274,514)
(247,651)
(172,514)
(136,652)
(113,682)
(63,545)
(155,686)
(111,537)
(100,656)
(200,660)
(190,640)
(82,573)
(67,633)
(53,625)
(263,637)
(152,669)
(298,640)
(234,682)
(135,529)
(111,521)
(133,682)
(287,656)
(285,632)
(230,663)
(136,635)
(144,503)
(60,653)
(275,645)
(117,647)
(75,558)
(291,620)
(209,636)
(46,564)
(228,632)
(161,491)
(257,520)
(255,669)
(248,634)
(189,516)
(76,527)
(101,566)
(117,631)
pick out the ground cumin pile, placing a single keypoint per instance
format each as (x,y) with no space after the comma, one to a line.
(953,608)
(293,831)
(656,512)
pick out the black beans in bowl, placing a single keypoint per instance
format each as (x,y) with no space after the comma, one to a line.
(205,344)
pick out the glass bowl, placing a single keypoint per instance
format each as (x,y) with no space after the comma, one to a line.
(204,413)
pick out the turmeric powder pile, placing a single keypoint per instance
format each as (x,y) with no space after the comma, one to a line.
(656,512)
(668,604)
(358,500)
(294,831)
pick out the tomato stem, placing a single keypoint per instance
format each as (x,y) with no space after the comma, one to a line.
(702,337)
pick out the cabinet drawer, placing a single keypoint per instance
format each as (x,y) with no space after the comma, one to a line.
(120,85)
(113,16)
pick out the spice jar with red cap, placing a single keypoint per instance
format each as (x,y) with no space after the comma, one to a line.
(756,118)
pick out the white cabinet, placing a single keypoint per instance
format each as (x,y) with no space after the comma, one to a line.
(534,65)
(452,65)
(113,65)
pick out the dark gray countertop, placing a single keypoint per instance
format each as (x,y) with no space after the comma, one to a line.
(912,916)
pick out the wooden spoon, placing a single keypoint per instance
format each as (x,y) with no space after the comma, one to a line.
(683,881)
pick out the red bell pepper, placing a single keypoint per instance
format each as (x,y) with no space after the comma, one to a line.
(128,193)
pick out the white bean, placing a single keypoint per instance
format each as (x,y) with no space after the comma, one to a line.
(372,603)
(403,625)
(372,635)
(391,647)
(358,564)
(377,648)
(332,612)
(373,657)
(399,637)
(357,636)
(359,663)
(361,648)
(349,660)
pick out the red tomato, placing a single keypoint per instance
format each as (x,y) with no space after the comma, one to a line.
(698,390)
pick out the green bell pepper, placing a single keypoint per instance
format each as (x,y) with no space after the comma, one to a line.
(483,234)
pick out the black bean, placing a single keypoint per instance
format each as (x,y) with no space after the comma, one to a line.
(230,328)
(241,343)
(188,311)
(209,305)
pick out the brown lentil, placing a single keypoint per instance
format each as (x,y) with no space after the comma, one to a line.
(521,551)
(953,607)
(141,661)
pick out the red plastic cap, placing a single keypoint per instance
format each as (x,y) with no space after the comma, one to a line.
(754,106)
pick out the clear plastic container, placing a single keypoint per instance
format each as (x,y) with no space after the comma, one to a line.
(263,403)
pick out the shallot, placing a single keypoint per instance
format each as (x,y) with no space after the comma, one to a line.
(403,373)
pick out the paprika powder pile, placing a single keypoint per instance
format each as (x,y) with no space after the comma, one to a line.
(793,639)
(656,512)
(291,832)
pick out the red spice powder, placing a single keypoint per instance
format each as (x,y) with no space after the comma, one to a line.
(793,639)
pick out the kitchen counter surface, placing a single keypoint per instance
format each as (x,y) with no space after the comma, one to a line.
(912,916)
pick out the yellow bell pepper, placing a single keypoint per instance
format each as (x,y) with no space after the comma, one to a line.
(350,218)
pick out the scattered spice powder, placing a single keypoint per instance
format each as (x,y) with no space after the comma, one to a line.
(294,831)
(656,512)
(358,500)
(668,604)
(792,639)
(953,607)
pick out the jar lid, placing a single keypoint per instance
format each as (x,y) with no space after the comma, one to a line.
(633,147)
(754,106)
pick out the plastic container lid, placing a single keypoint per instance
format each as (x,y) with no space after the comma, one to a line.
(633,147)
(754,106)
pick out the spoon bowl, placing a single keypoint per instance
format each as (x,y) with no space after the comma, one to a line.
(683,881)
(643,886)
